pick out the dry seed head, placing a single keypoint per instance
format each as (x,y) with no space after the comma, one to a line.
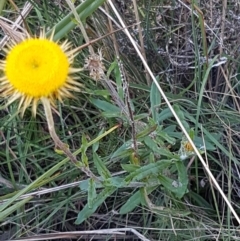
(94,65)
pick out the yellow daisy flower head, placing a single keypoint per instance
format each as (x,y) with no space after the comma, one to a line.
(38,68)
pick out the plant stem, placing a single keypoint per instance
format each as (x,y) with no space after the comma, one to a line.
(51,127)
(59,144)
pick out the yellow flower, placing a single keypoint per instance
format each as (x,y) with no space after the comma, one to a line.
(35,69)
(188,147)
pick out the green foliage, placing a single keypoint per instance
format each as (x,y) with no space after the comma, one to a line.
(135,200)
(84,10)
(143,171)
(155,101)
(88,210)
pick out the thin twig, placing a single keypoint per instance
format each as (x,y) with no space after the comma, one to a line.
(78,49)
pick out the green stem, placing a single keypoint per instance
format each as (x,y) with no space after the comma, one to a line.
(51,128)
(59,144)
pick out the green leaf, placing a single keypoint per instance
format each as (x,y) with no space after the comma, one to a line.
(91,192)
(170,129)
(166,137)
(119,82)
(13,208)
(86,212)
(84,159)
(146,131)
(155,100)
(84,142)
(96,144)
(135,200)
(151,158)
(103,93)
(131,203)
(84,10)
(124,150)
(155,148)
(129,167)
(101,167)
(114,182)
(141,116)
(181,116)
(84,185)
(201,202)
(84,147)
(191,133)
(208,145)
(164,114)
(114,115)
(182,178)
(34,185)
(110,182)
(178,187)
(170,184)
(148,170)
(105,106)
(111,67)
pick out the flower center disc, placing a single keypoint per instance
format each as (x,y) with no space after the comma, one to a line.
(37,67)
